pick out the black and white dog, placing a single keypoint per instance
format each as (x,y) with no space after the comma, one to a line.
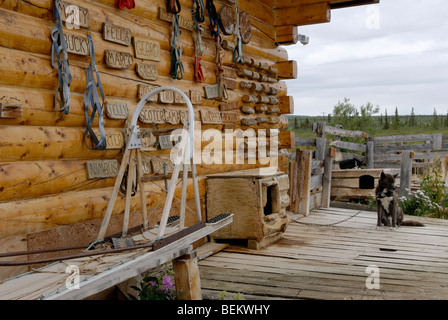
(350,164)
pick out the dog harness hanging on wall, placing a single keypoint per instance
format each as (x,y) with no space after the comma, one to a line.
(91,98)
(59,48)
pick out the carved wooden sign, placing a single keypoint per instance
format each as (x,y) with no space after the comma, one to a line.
(74,16)
(144,89)
(116,110)
(212,91)
(233,105)
(195,97)
(185,23)
(117,34)
(101,169)
(166,96)
(77,44)
(211,117)
(146,49)
(152,115)
(178,98)
(146,71)
(165,142)
(157,166)
(172,116)
(117,59)
(230,117)
(114,139)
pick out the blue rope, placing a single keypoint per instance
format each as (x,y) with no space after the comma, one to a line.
(92,99)
(59,48)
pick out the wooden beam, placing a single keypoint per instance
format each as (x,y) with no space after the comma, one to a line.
(338,4)
(187,279)
(303,14)
(286,140)
(286,35)
(287,69)
(286,104)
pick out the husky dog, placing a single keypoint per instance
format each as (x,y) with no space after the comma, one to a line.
(350,164)
(387,203)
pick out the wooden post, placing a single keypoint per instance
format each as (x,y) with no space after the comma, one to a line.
(326,179)
(320,149)
(186,277)
(370,154)
(437,141)
(406,172)
(303,158)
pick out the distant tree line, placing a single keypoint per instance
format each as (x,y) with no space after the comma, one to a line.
(368,118)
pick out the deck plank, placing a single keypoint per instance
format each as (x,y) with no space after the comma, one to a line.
(329,262)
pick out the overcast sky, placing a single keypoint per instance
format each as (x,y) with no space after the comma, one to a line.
(392,54)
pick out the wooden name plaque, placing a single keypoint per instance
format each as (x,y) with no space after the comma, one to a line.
(144,89)
(230,117)
(114,139)
(212,91)
(116,110)
(74,16)
(195,97)
(211,117)
(152,115)
(172,116)
(77,44)
(117,34)
(146,49)
(146,71)
(185,23)
(117,59)
(101,169)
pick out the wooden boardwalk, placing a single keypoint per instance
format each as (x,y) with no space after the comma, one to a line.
(329,262)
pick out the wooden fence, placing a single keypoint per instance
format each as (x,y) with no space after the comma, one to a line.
(311,171)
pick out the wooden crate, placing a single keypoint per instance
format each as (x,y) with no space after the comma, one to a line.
(258,203)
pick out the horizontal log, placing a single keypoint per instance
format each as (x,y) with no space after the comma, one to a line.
(349,145)
(287,69)
(286,35)
(26,216)
(29,179)
(342,132)
(305,142)
(403,138)
(304,14)
(351,193)
(286,104)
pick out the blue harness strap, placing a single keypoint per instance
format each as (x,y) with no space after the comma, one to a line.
(91,98)
(59,48)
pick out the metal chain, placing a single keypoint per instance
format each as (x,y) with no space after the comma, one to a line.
(327,225)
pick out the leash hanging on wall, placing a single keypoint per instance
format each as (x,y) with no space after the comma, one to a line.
(59,48)
(92,99)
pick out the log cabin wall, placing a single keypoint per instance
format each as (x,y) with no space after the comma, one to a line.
(43,159)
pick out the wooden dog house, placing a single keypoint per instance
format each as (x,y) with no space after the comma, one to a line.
(257,201)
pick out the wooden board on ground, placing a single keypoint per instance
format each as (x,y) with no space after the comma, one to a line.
(316,261)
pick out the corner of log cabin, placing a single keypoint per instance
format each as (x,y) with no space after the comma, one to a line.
(45,180)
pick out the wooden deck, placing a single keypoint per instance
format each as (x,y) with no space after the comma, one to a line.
(329,262)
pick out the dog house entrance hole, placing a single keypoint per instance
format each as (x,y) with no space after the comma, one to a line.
(272,199)
(366,182)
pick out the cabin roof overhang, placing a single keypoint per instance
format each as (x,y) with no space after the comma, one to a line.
(289,14)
